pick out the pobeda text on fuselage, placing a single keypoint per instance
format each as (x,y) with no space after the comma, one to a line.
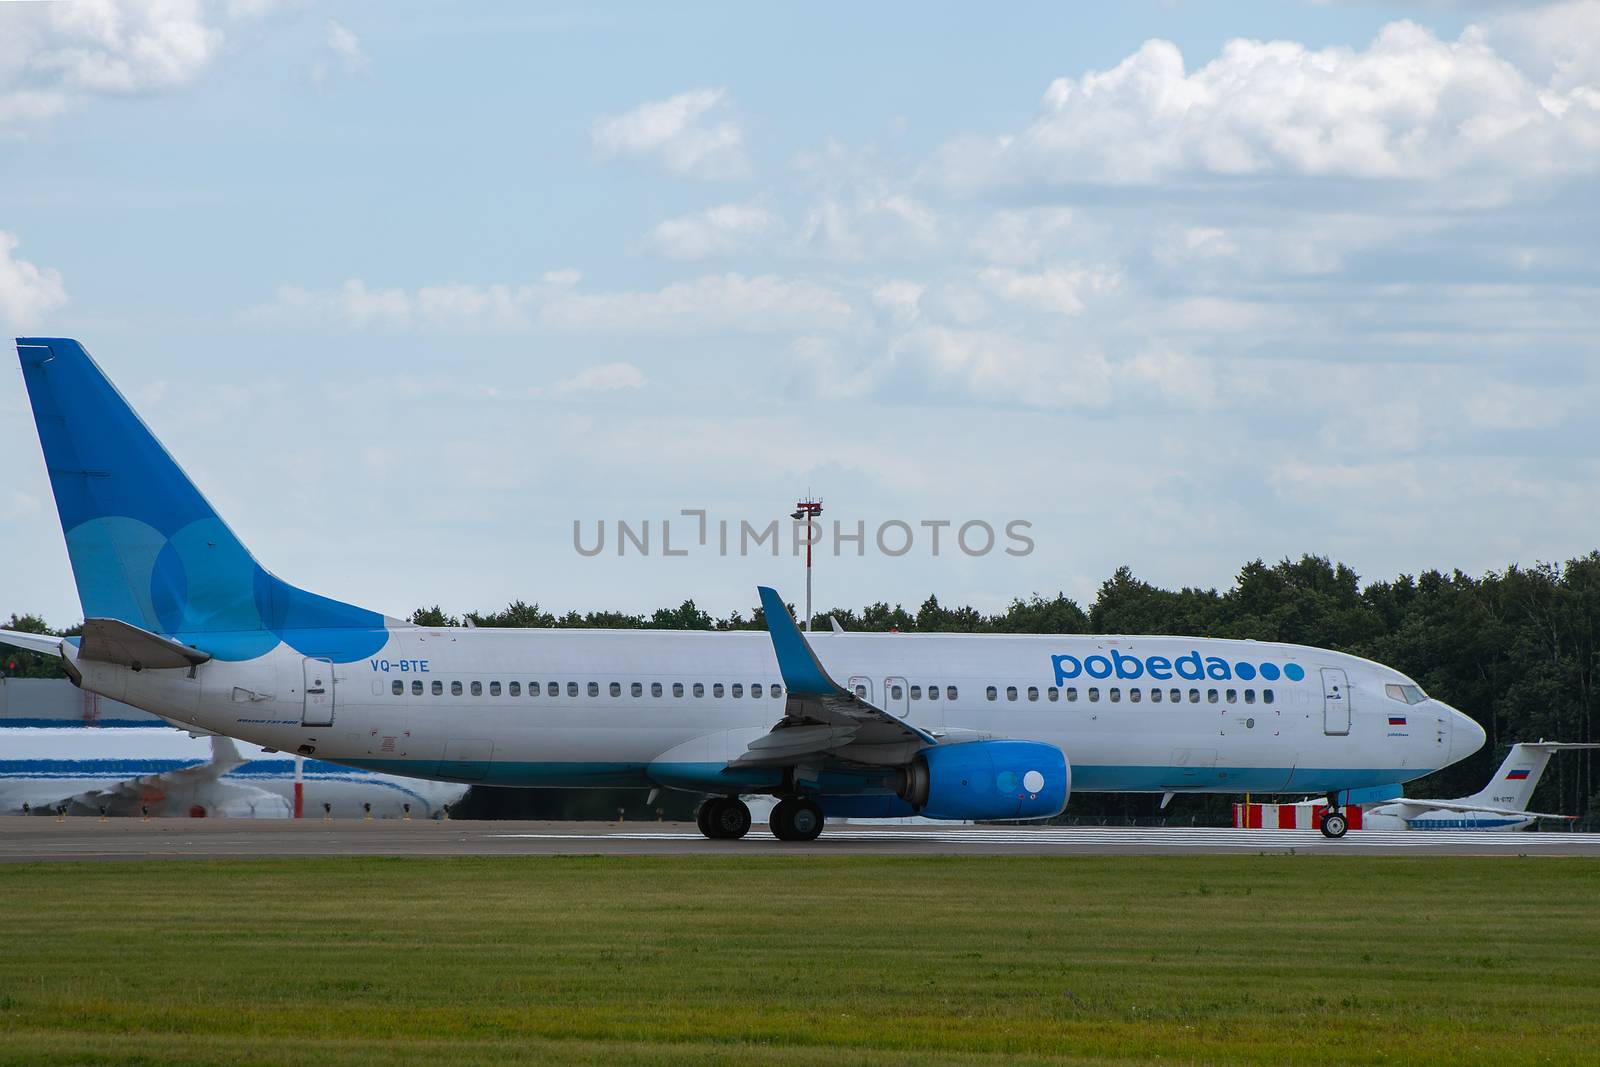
(181,620)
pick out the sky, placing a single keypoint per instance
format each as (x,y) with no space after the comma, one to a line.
(412,289)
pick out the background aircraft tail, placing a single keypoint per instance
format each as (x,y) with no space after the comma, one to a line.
(146,548)
(1513,784)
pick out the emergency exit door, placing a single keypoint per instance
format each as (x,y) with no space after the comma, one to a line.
(318,709)
(1335,701)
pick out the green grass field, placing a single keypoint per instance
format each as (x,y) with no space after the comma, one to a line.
(1281,959)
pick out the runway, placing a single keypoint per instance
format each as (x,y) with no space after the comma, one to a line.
(42,838)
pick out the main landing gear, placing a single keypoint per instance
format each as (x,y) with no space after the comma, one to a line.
(723,818)
(796,819)
(1334,824)
(728,819)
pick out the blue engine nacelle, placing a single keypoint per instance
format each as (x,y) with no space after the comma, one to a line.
(988,780)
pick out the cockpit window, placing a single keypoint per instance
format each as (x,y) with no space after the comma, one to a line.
(1406,694)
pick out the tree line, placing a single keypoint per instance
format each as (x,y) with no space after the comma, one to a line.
(1516,649)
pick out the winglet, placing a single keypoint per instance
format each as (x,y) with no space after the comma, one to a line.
(802,673)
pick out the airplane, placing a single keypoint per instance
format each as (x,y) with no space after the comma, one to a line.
(159,772)
(181,620)
(1500,805)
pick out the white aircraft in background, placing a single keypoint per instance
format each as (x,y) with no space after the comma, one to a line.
(162,772)
(1501,805)
(180,620)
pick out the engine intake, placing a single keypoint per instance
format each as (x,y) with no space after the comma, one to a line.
(998,779)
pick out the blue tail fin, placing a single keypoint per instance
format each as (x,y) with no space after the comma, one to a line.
(146,547)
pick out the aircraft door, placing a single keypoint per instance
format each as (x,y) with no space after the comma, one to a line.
(318,709)
(1335,702)
(861,686)
(895,699)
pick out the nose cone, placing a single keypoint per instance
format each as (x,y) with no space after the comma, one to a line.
(1466,736)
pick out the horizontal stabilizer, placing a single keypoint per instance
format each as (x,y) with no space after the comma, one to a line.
(46,644)
(1410,809)
(114,641)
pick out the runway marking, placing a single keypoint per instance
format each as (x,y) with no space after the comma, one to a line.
(1196,837)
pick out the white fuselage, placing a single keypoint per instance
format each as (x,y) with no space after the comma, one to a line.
(673,708)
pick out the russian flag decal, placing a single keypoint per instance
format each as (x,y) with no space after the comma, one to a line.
(1518,775)
(1397,720)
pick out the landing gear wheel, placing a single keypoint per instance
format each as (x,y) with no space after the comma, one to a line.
(1334,825)
(724,818)
(796,820)
(701,812)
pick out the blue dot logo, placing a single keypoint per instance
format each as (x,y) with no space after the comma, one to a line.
(1294,672)
(1244,671)
(1269,671)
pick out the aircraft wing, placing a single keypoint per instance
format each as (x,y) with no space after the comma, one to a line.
(48,644)
(822,719)
(1410,809)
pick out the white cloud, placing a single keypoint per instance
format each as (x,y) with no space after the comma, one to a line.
(715,231)
(713,302)
(707,304)
(1177,376)
(678,134)
(900,298)
(1020,238)
(605,378)
(1060,290)
(345,50)
(54,56)
(27,293)
(869,221)
(1410,106)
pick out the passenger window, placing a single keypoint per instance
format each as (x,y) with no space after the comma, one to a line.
(1033,692)
(1134,694)
(572,689)
(1194,696)
(949,692)
(593,688)
(991,692)
(777,691)
(416,689)
(755,690)
(1094,694)
(736,690)
(438,689)
(1155,696)
(1266,696)
(616,689)
(477,689)
(699,689)
(1249,696)
(933,692)
(1011,692)
(677,689)
(398,688)
(895,692)
(494,689)
(514,689)
(1211,696)
(637,689)
(655,689)
(861,692)
(1052,694)
(1233,696)
(1072,694)
(1175,695)
(916,692)
(455,689)
(553,689)
(1116,694)
(716,690)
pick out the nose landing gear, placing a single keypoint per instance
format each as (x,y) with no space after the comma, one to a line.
(1334,823)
